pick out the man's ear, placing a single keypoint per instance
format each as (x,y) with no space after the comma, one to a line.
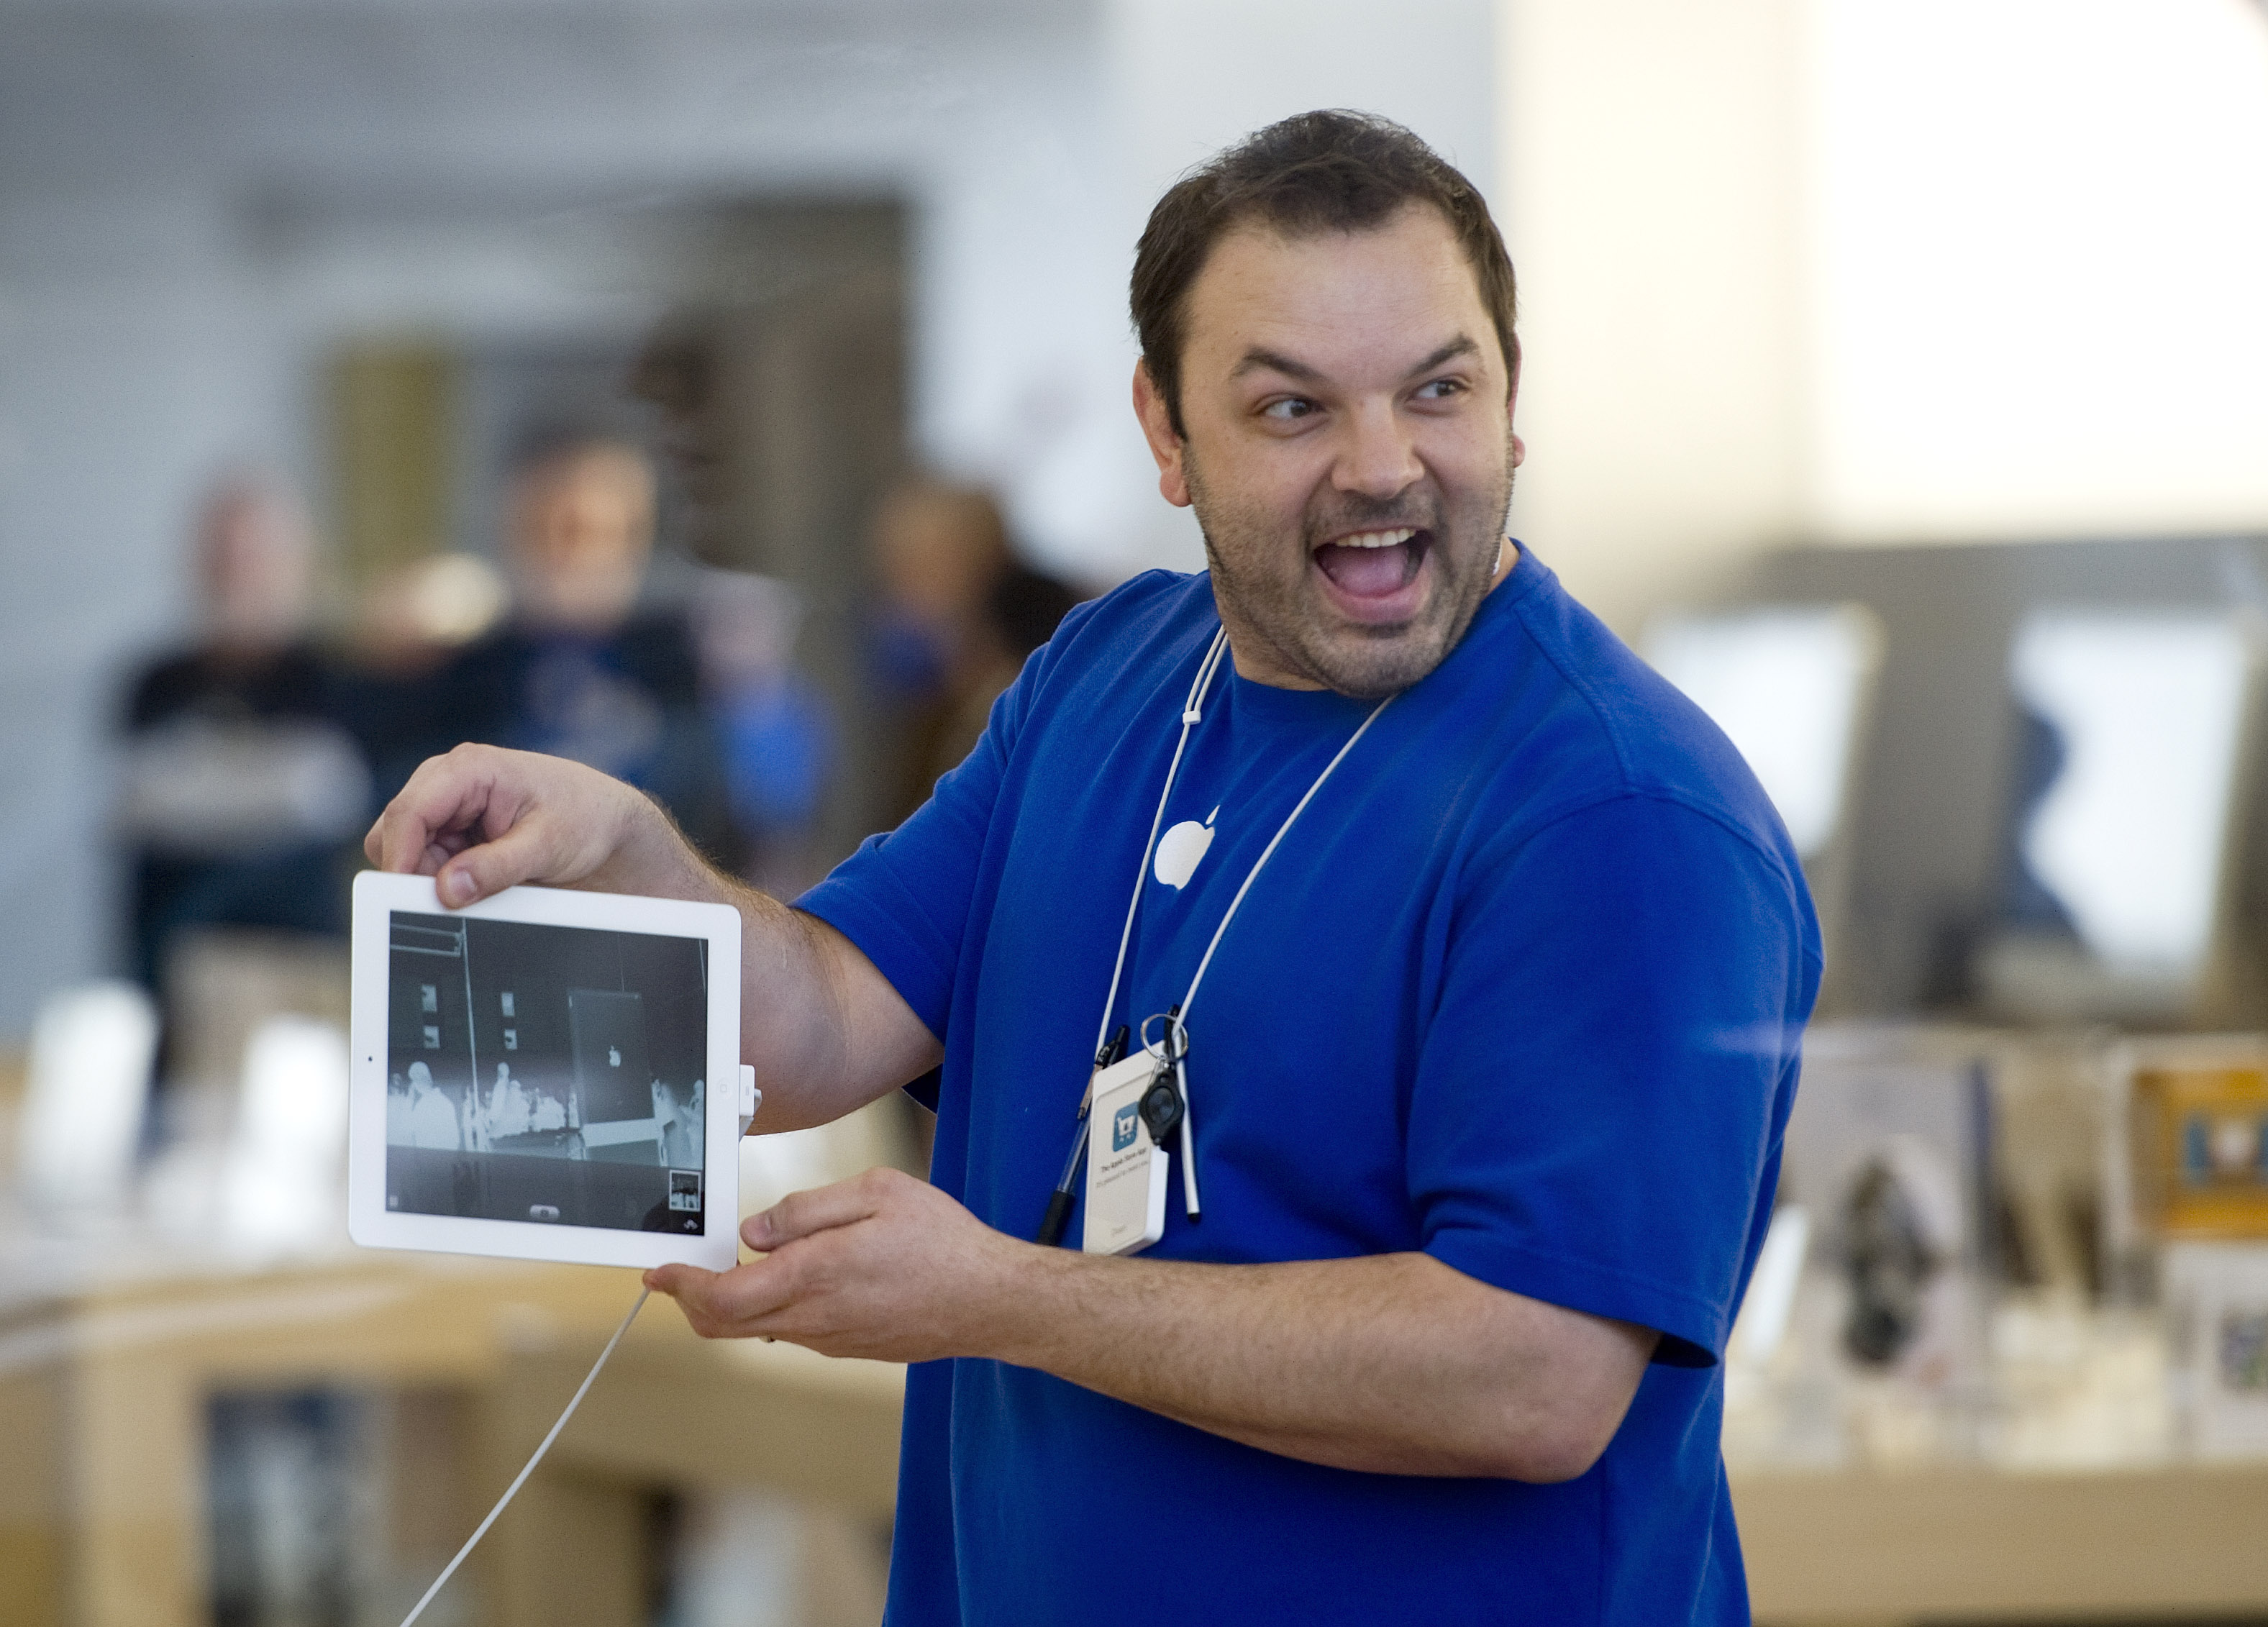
(1157,429)
(1511,401)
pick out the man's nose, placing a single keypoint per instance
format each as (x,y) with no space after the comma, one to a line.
(1379,458)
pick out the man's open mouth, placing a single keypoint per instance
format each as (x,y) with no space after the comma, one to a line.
(1374,564)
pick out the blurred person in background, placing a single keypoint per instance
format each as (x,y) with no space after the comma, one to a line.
(958,614)
(580,669)
(242,784)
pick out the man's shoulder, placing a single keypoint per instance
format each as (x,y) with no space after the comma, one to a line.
(1580,720)
(1145,603)
(1104,647)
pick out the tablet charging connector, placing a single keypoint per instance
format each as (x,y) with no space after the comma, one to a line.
(751,1098)
(513,1489)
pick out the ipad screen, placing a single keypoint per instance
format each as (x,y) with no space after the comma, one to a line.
(545,1073)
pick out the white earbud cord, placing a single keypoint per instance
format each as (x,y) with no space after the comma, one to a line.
(513,1489)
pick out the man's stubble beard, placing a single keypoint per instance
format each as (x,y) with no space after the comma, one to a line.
(1362,663)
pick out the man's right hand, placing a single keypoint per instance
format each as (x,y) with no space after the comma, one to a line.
(482,819)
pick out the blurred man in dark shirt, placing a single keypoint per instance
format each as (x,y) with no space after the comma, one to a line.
(240,787)
(580,670)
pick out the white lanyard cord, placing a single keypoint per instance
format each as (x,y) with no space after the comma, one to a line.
(1188,1111)
(1192,712)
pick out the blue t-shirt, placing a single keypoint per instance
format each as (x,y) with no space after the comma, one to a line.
(1523,990)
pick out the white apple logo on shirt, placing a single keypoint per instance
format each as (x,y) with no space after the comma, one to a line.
(1180,849)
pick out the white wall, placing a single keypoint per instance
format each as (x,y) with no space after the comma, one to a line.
(1868,271)
(2039,231)
(1651,157)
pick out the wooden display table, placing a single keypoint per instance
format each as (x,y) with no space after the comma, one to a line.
(1882,1548)
(104,1523)
(103,1418)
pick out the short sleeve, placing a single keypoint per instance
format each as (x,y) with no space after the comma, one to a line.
(1603,1083)
(904,896)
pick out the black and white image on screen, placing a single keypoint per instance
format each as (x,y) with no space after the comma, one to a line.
(553,1075)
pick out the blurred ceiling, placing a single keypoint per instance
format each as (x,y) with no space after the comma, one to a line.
(323,91)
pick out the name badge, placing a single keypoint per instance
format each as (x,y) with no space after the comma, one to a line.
(1125,1170)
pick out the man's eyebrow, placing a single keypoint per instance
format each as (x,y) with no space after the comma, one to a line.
(1464,345)
(1274,361)
(1260,358)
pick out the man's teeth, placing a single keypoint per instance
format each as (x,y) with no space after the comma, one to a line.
(1378,539)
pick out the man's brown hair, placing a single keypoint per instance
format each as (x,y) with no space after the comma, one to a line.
(1328,171)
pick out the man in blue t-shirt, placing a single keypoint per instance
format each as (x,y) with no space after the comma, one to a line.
(1487,958)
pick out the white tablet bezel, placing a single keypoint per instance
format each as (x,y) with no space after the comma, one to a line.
(370,1224)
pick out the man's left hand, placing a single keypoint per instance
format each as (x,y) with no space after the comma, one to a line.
(882,1266)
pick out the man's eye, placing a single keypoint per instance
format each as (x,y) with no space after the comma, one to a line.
(1290,408)
(1440,389)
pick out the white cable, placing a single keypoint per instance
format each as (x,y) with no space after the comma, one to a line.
(513,1489)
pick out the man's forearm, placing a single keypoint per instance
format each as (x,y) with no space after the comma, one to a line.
(812,1020)
(1394,1363)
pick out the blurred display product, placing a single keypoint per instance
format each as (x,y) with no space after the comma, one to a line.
(1949,1188)
(2077,1385)
(242,1135)
(2200,1148)
(2032,1251)
(2127,832)
(1887,1156)
(282,1191)
(2217,1306)
(93,1050)
(2053,807)
(1888,1145)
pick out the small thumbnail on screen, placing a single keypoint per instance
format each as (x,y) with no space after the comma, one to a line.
(546,1074)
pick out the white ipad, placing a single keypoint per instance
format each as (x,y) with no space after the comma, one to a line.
(551,1075)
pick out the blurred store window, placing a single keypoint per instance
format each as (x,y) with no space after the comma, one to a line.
(2126,830)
